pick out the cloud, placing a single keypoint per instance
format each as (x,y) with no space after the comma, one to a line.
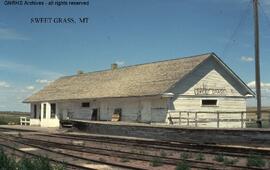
(30,88)
(265,7)
(265,86)
(28,69)
(43,81)
(4,84)
(247,59)
(10,34)
(120,63)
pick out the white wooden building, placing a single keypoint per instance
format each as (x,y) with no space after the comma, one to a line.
(151,92)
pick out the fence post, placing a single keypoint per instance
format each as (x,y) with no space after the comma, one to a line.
(188,118)
(217,119)
(179,118)
(196,116)
(242,119)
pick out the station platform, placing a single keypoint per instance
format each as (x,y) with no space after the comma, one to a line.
(172,133)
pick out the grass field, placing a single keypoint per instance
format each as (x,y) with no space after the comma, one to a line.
(251,114)
(11,117)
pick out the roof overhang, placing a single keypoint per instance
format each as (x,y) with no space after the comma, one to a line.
(251,93)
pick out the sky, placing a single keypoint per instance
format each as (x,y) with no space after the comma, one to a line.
(126,32)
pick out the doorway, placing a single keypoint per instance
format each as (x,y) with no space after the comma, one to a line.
(95,114)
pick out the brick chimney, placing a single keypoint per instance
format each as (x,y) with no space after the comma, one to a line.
(79,72)
(114,66)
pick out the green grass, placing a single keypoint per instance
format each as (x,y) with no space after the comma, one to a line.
(229,162)
(163,153)
(124,160)
(256,161)
(183,165)
(9,119)
(185,155)
(265,124)
(36,163)
(200,157)
(156,161)
(219,158)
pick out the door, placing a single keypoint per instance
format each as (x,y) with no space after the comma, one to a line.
(146,111)
(95,114)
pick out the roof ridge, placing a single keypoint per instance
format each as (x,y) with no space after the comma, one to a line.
(153,62)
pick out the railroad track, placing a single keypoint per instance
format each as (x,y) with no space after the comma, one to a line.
(31,143)
(174,146)
(132,156)
(157,145)
(24,153)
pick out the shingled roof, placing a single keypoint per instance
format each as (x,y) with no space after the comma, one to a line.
(137,80)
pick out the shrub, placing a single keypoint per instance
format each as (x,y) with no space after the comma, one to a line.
(183,165)
(102,159)
(124,160)
(163,154)
(156,161)
(228,161)
(255,160)
(36,163)
(5,161)
(200,157)
(185,155)
(219,158)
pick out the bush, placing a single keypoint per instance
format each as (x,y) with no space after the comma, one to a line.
(185,155)
(219,158)
(200,157)
(36,163)
(156,161)
(163,154)
(183,165)
(5,161)
(124,160)
(255,160)
(228,161)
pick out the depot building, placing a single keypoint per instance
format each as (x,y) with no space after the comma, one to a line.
(145,93)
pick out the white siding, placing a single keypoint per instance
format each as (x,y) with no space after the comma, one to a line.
(209,76)
(229,104)
(142,109)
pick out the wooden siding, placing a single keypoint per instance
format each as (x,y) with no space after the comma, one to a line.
(211,75)
(142,109)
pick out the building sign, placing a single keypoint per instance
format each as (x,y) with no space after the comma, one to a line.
(204,90)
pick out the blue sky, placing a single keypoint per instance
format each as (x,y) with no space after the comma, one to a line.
(128,32)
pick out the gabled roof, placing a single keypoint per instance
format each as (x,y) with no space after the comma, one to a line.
(138,80)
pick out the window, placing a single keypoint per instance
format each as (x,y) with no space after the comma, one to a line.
(53,110)
(117,114)
(35,111)
(44,111)
(86,104)
(209,102)
(118,111)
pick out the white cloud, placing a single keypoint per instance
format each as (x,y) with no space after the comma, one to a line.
(10,34)
(4,84)
(43,81)
(28,69)
(2,106)
(265,86)
(30,88)
(247,59)
(120,63)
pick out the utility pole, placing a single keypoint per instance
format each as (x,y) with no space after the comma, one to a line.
(257,63)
